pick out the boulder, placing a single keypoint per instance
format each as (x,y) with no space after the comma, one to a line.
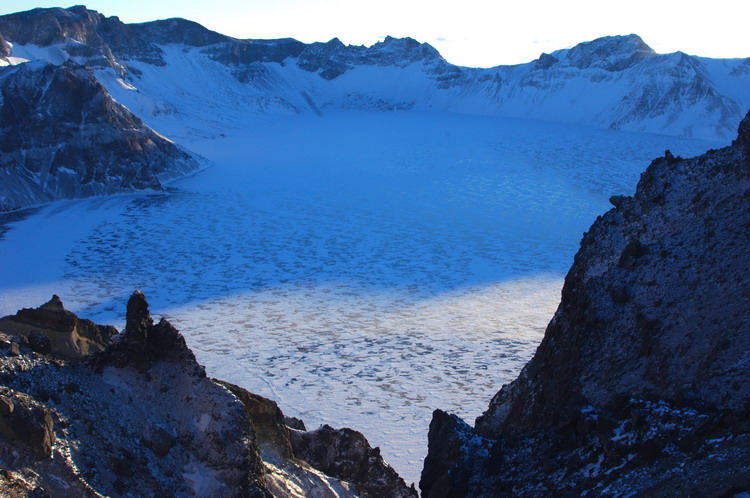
(24,420)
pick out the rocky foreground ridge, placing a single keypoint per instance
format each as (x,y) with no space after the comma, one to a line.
(139,417)
(640,385)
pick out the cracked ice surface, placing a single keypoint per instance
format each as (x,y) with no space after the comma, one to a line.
(360,269)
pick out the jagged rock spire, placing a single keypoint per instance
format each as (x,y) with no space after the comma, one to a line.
(144,343)
(138,319)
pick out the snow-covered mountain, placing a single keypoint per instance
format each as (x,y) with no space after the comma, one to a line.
(174,73)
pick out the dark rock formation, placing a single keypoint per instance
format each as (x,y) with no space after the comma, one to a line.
(644,366)
(144,417)
(24,420)
(50,328)
(107,41)
(333,59)
(4,47)
(330,59)
(40,342)
(175,30)
(93,35)
(63,136)
(545,61)
(346,454)
(294,423)
(142,343)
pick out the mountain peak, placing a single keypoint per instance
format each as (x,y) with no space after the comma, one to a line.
(178,30)
(44,27)
(621,44)
(404,50)
(613,53)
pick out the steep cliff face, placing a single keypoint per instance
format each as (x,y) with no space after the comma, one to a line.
(644,366)
(63,136)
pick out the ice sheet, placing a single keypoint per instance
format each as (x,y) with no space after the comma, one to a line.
(362,269)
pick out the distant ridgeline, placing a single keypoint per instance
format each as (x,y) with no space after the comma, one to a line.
(614,82)
(185,80)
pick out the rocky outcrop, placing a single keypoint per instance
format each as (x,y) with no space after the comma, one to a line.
(611,53)
(103,41)
(644,367)
(333,59)
(4,48)
(63,136)
(24,420)
(342,454)
(106,41)
(142,415)
(51,329)
(346,454)
(142,344)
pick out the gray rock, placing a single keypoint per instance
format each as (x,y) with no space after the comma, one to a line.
(160,441)
(14,349)
(294,423)
(6,406)
(267,419)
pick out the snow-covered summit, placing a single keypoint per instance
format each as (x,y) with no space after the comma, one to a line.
(612,53)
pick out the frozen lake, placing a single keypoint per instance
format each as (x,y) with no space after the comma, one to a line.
(360,269)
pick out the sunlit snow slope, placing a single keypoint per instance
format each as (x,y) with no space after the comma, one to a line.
(668,94)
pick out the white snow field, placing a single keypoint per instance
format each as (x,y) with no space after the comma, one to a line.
(360,268)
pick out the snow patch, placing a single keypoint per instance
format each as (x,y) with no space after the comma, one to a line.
(54,54)
(201,479)
(203,422)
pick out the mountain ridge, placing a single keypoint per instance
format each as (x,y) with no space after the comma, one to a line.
(615,82)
